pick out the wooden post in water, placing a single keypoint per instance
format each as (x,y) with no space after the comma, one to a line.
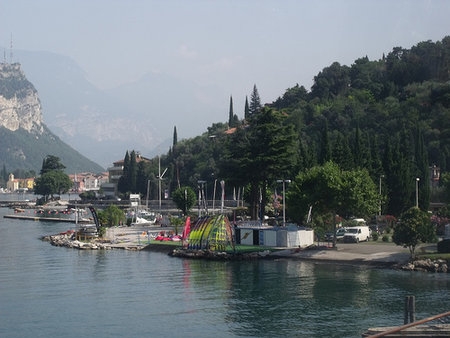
(410,310)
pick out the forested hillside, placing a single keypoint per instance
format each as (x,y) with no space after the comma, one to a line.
(390,116)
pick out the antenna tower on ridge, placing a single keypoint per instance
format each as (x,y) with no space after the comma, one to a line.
(11,51)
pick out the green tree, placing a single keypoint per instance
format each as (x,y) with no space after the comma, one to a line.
(246,109)
(319,187)
(331,191)
(231,113)
(51,163)
(255,102)
(112,216)
(341,153)
(423,170)
(259,155)
(51,183)
(445,183)
(184,198)
(331,81)
(325,148)
(88,195)
(400,181)
(123,184)
(175,137)
(360,194)
(132,173)
(52,180)
(414,228)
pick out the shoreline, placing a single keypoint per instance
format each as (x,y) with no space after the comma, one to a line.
(377,255)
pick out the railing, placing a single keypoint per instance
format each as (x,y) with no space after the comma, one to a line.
(409,320)
(406,326)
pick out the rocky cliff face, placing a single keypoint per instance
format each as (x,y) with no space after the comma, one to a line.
(20,107)
(25,139)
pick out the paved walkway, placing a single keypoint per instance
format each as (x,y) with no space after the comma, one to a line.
(365,253)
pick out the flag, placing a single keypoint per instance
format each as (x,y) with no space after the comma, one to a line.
(186,230)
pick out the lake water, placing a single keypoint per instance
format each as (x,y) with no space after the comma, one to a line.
(48,291)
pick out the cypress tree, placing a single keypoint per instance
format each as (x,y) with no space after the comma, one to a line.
(376,163)
(4,173)
(423,171)
(122,185)
(246,109)
(325,149)
(398,178)
(341,153)
(231,114)
(132,177)
(175,137)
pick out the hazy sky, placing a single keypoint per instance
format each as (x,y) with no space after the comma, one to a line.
(230,44)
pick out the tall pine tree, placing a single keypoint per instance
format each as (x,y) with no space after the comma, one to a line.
(255,102)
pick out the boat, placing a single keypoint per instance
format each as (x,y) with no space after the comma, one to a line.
(142,221)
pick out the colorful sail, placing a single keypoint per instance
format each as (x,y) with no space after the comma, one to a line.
(186,231)
(211,233)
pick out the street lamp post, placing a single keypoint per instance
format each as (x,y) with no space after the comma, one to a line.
(284,197)
(201,197)
(417,192)
(160,177)
(214,197)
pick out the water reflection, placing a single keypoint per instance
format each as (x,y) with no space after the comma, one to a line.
(295,298)
(151,294)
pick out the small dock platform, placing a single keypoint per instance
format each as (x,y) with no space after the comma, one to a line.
(46,219)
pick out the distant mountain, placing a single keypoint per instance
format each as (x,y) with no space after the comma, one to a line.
(26,140)
(105,124)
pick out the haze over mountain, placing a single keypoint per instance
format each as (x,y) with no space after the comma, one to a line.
(103,124)
(25,138)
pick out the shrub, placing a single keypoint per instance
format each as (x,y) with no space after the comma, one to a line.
(385,238)
(101,231)
(375,236)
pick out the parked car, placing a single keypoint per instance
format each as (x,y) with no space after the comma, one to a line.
(340,233)
(329,236)
(357,234)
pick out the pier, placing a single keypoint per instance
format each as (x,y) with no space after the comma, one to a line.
(47,219)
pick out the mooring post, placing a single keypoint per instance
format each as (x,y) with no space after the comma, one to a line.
(410,309)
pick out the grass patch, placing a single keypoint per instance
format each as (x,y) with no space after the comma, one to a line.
(434,256)
(238,248)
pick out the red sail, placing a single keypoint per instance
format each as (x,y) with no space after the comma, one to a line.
(186,230)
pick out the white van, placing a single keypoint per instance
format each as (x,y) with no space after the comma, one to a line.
(357,234)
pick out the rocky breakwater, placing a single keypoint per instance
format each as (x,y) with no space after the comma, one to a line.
(115,238)
(218,255)
(69,240)
(427,265)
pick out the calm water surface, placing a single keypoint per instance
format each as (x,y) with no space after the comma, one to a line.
(48,291)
